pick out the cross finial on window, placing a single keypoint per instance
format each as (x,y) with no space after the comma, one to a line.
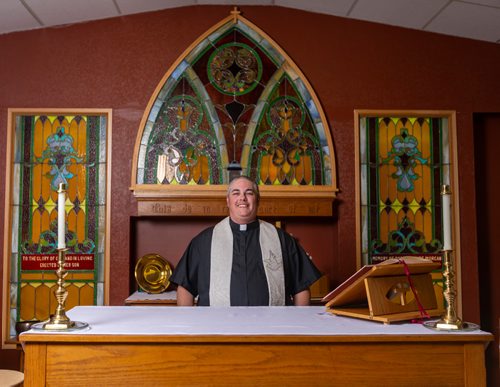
(235,12)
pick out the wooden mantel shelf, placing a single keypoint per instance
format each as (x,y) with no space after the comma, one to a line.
(176,200)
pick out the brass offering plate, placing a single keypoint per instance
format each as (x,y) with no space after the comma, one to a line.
(152,273)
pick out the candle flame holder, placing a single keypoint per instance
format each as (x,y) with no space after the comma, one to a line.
(59,321)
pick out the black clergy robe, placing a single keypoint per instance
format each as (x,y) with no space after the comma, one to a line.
(248,278)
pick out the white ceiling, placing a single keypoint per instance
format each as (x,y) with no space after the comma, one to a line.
(476,19)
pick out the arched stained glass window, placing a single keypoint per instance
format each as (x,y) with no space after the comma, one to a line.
(234,101)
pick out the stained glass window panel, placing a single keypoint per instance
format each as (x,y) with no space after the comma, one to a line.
(403,168)
(404,161)
(49,150)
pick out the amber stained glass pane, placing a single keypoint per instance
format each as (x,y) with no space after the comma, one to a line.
(404,187)
(54,150)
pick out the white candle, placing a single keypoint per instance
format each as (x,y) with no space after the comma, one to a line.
(61,217)
(446,200)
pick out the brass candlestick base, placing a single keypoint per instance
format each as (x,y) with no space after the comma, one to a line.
(449,321)
(59,321)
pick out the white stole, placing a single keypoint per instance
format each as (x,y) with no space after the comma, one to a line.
(221,263)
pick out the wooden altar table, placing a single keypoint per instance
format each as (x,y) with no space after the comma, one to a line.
(160,346)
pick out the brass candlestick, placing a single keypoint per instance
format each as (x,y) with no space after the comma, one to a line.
(449,321)
(59,320)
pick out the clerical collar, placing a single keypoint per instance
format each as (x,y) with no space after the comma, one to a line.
(243,227)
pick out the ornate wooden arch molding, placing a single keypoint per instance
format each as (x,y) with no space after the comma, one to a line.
(234,102)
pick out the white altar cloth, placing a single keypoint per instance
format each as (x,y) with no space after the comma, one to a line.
(246,321)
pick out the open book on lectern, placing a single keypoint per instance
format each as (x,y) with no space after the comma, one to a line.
(389,291)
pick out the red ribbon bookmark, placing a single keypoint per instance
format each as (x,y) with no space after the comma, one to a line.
(423,312)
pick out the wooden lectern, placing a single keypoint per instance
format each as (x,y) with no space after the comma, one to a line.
(385,293)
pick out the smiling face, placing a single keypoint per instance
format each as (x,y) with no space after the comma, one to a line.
(242,200)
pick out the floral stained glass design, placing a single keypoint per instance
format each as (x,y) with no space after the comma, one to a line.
(235,69)
(234,102)
(403,167)
(49,150)
(286,150)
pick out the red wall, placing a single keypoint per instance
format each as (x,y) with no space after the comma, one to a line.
(117,63)
(487,138)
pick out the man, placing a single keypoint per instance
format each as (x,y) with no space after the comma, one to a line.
(243,261)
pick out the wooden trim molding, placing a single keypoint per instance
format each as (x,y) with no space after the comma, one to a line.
(211,201)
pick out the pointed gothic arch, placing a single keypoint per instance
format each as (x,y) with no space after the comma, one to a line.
(233,101)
